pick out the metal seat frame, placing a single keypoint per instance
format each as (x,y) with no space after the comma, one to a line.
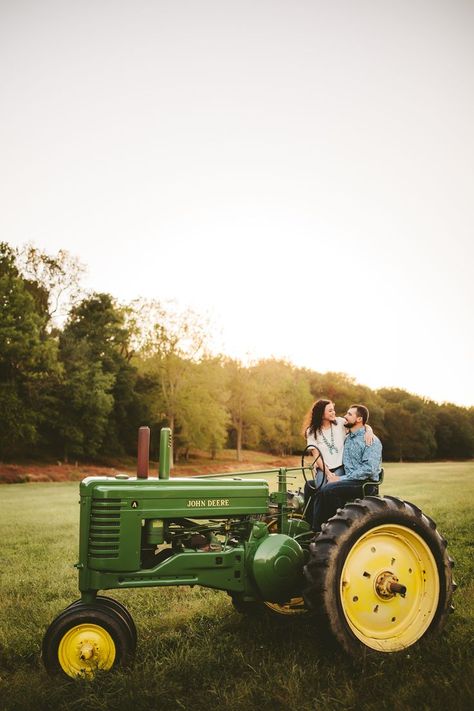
(366,485)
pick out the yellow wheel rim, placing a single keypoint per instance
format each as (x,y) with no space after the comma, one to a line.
(295,606)
(380,618)
(84,649)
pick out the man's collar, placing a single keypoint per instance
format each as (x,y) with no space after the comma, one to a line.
(357,432)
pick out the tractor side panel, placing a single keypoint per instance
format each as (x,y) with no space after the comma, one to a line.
(114,511)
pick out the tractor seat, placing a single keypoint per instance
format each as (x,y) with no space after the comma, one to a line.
(371,488)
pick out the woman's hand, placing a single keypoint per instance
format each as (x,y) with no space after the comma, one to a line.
(331,477)
(369,435)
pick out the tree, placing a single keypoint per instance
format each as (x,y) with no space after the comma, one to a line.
(157,329)
(99,384)
(409,425)
(242,404)
(284,398)
(454,432)
(27,359)
(170,343)
(202,419)
(338,387)
(54,280)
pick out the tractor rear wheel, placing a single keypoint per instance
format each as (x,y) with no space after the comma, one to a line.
(379,577)
(85,639)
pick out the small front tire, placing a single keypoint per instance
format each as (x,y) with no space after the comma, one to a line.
(114,606)
(84,640)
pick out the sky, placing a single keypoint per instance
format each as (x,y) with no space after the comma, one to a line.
(300,172)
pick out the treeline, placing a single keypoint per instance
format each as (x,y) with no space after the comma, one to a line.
(78,388)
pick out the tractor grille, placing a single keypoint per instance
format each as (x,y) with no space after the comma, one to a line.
(104,532)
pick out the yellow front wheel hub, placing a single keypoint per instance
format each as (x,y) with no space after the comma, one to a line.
(382,562)
(84,649)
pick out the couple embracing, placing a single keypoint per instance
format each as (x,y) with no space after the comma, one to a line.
(352,455)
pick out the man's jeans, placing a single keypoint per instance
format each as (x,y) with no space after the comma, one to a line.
(312,491)
(333,496)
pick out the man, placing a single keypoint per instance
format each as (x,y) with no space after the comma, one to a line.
(361,463)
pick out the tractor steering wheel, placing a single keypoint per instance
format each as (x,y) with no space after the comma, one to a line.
(319,476)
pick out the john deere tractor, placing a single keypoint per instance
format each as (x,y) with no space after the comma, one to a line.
(377,578)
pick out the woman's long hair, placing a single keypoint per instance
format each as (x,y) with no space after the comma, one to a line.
(314,419)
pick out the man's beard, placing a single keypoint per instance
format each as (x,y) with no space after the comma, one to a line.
(349,425)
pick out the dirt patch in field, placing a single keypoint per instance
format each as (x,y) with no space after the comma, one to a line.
(25,473)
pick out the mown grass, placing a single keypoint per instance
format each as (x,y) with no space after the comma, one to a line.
(195,652)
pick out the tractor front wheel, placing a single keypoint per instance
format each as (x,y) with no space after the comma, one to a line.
(109,603)
(379,577)
(85,639)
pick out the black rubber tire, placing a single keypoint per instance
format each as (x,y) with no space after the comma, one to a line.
(335,544)
(117,607)
(82,614)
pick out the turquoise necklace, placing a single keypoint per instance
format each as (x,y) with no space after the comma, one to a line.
(330,445)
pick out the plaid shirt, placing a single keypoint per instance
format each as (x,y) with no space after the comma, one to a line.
(361,461)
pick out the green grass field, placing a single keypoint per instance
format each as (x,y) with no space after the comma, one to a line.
(195,652)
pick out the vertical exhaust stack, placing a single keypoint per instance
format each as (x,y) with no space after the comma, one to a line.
(165,453)
(143,457)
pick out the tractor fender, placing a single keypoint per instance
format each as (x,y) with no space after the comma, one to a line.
(277,567)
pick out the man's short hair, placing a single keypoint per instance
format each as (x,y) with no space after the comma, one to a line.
(362,411)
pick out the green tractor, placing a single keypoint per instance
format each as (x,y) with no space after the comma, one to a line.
(377,578)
